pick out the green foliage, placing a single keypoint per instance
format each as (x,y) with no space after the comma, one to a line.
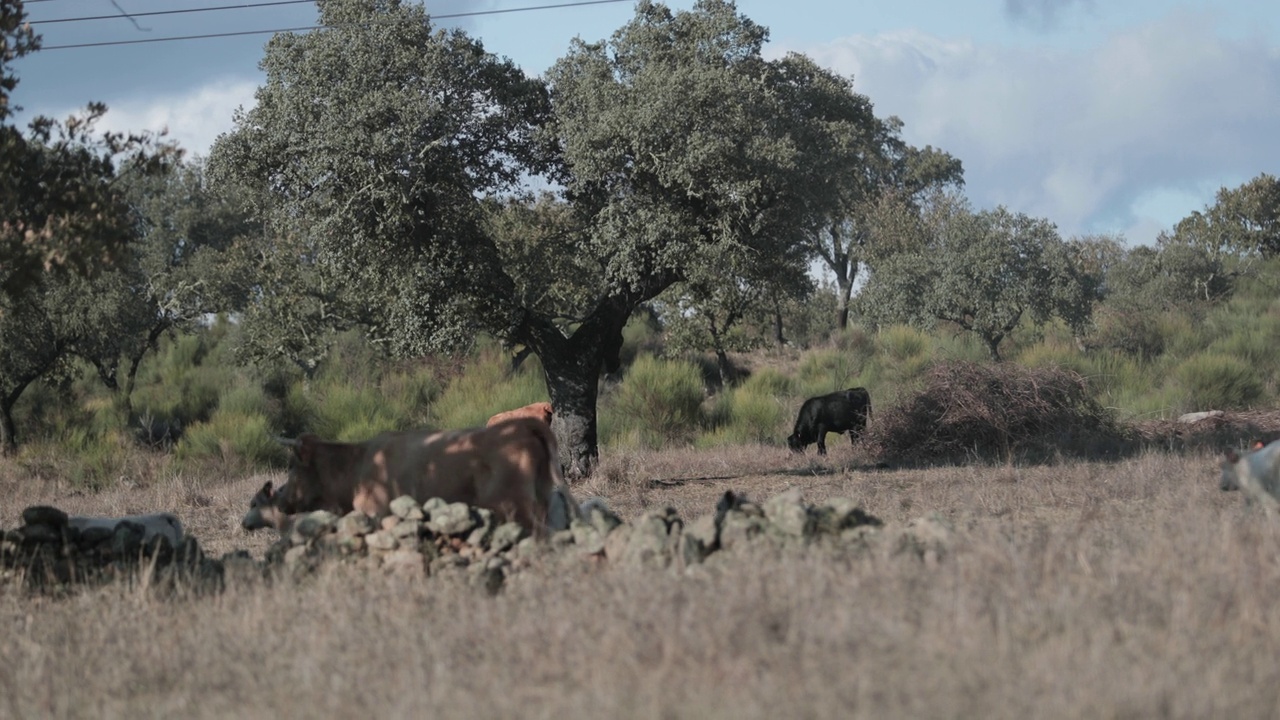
(236,440)
(486,388)
(1219,382)
(984,272)
(658,403)
(747,414)
(1242,221)
(1054,354)
(185,382)
(827,370)
(906,353)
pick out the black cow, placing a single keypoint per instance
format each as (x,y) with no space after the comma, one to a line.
(839,412)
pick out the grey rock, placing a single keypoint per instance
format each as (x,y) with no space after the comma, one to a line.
(406,508)
(452,519)
(44,515)
(355,523)
(587,537)
(787,512)
(839,514)
(480,536)
(602,519)
(505,536)
(407,531)
(91,536)
(382,540)
(297,559)
(739,529)
(40,534)
(127,538)
(927,538)
(652,541)
(705,531)
(313,525)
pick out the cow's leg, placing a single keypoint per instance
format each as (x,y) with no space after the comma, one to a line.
(822,439)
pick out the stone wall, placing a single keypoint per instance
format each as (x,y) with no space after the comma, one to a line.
(458,543)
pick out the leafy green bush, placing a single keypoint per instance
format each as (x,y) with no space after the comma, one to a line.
(906,353)
(486,387)
(236,440)
(769,381)
(1212,381)
(1051,353)
(824,371)
(349,413)
(745,415)
(659,402)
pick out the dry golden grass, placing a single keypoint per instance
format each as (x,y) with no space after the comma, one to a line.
(1133,589)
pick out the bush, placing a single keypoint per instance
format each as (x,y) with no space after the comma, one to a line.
(906,353)
(746,415)
(238,441)
(824,371)
(1219,382)
(994,411)
(486,387)
(348,413)
(658,402)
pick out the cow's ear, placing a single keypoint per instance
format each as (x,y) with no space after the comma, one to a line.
(306,449)
(266,490)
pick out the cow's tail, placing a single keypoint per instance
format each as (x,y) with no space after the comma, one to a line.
(556,503)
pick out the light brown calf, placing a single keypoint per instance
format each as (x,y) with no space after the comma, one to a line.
(539,410)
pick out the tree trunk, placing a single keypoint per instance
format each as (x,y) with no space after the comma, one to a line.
(722,364)
(573,382)
(8,438)
(777,324)
(572,367)
(845,275)
(993,347)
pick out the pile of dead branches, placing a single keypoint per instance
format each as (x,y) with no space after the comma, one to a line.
(995,412)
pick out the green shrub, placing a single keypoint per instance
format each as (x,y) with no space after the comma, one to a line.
(349,413)
(1052,353)
(824,371)
(233,439)
(905,354)
(769,381)
(748,414)
(486,387)
(660,400)
(1212,381)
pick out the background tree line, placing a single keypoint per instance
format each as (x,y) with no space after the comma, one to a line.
(381,186)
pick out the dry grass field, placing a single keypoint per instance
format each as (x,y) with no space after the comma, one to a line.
(1133,589)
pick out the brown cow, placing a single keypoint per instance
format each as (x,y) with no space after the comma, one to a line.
(511,469)
(539,410)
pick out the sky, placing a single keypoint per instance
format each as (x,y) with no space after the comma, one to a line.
(1104,117)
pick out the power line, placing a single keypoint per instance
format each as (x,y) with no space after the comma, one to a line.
(319,27)
(167,12)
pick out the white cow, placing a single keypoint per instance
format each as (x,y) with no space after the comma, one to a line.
(1256,474)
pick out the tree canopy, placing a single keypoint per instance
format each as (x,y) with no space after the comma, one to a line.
(379,147)
(984,272)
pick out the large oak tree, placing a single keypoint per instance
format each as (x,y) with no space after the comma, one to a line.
(378,140)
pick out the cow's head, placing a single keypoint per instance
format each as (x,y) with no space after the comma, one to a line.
(795,442)
(263,511)
(1230,479)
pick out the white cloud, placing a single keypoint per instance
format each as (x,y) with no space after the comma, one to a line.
(194,119)
(1081,137)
